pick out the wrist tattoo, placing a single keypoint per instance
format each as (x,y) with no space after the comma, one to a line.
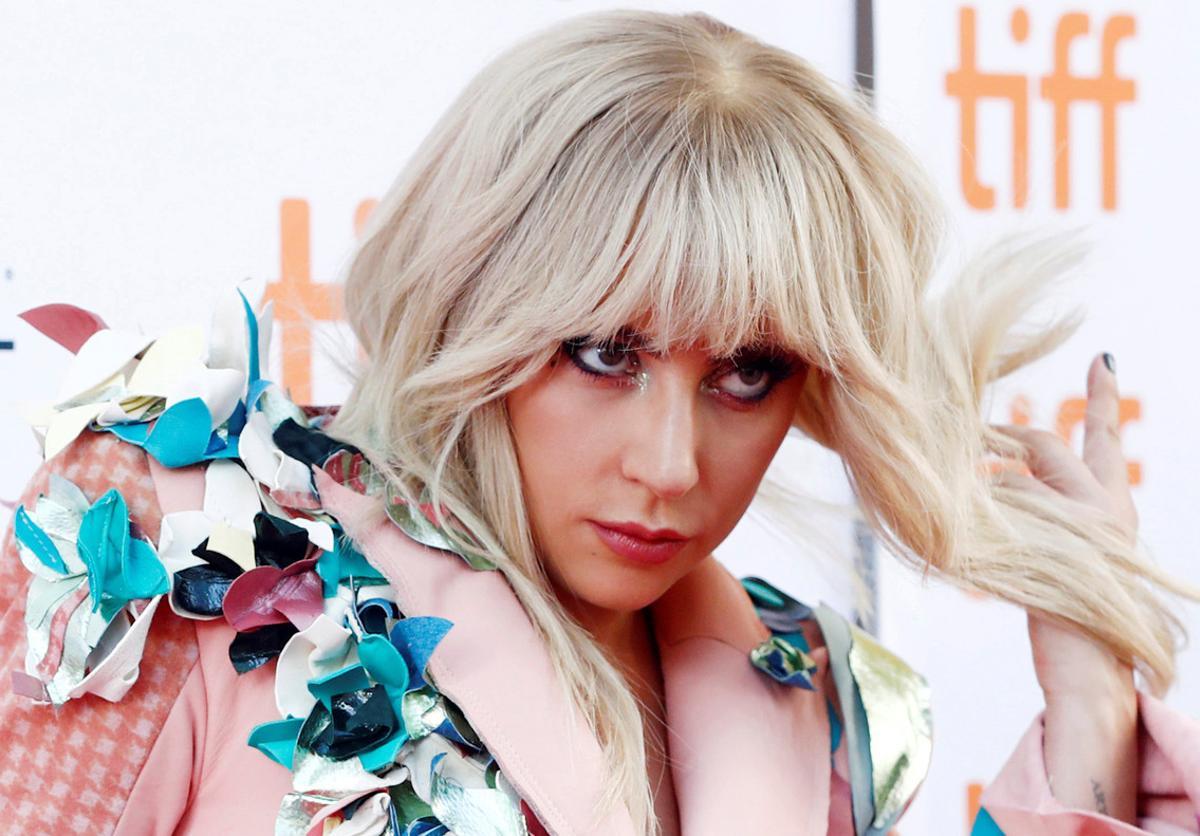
(1098,796)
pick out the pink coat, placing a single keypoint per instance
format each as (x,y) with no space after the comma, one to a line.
(172,755)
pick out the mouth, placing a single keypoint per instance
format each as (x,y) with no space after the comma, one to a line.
(640,544)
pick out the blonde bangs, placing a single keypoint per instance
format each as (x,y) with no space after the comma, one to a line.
(699,223)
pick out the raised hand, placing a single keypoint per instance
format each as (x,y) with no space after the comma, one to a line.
(1090,723)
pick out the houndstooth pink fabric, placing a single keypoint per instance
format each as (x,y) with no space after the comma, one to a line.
(93,749)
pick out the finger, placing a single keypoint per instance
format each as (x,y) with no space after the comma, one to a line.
(1024,482)
(1051,460)
(1102,431)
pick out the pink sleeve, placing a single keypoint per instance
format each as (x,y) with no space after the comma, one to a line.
(237,789)
(164,787)
(202,776)
(72,769)
(1019,799)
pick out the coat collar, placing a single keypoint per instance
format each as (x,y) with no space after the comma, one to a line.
(747,753)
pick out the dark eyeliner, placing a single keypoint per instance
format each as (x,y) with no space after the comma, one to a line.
(573,346)
(778,366)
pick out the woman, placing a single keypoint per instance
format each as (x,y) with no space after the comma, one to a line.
(635,251)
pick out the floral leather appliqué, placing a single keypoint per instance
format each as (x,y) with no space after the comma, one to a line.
(367,736)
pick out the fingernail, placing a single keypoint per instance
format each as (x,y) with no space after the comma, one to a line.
(1111,362)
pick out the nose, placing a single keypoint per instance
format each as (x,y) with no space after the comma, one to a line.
(663,437)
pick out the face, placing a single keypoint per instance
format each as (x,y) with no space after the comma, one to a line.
(636,466)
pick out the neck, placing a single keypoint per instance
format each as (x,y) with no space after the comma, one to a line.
(627,637)
(620,633)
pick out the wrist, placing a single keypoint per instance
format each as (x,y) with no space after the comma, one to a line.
(1090,745)
(1104,721)
(1107,698)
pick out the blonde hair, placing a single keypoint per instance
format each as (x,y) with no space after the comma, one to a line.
(625,162)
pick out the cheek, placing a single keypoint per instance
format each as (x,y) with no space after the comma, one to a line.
(559,444)
(738,450)
(737,461)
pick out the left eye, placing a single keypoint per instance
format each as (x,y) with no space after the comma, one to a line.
(747,383)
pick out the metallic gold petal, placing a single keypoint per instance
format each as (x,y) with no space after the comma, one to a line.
(485,812)
(413,523)
(900,719)
(421,713)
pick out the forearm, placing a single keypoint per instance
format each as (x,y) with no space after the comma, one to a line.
(1091,750)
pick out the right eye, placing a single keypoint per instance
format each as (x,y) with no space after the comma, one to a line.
(603,359)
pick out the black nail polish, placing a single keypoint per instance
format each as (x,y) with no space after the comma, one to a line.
(1111,362)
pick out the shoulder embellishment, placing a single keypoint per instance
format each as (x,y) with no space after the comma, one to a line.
(367,736)
(886,715)
(784,656)
(86,612)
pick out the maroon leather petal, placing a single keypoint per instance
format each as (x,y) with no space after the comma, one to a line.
(266,595)
(67,325)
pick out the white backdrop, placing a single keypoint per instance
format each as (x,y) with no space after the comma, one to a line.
(1139,290)
(158,153)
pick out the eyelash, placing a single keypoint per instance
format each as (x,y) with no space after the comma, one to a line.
(777,367)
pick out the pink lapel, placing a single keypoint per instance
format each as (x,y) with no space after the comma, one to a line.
(491,663)
(748,755)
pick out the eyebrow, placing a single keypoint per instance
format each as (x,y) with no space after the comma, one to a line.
(638,340)
(635,339)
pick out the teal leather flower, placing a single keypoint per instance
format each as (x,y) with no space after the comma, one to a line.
(88,567)
(363,709)
(120,568)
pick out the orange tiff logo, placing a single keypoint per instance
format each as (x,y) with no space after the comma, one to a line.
(1060,88)
(299,301)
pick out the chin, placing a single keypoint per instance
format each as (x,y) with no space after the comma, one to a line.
(626,600)
(624,588)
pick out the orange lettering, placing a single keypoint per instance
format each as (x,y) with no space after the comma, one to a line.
(1107,89)
(969,86)
(974,791)
(1060,87)
(298,300)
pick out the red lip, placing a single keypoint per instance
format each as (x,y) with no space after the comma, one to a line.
(643,533)
(640,544)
